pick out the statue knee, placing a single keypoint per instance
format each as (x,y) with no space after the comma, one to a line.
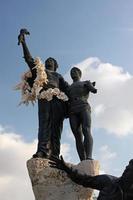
(86,130)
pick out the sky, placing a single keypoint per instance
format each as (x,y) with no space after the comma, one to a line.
(97,37)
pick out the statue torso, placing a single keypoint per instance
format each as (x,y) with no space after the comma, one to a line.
(53,80)
(78,96)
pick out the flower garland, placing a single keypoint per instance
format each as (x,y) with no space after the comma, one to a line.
(49,93)
(29,94)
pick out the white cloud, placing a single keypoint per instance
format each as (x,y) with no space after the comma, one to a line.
(1,129)
(112,106)
(14,180)
(99,109)
(106,153)
(106,157)
(14,152)
(65,151)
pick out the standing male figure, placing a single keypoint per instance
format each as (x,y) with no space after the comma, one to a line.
(80,113)
(51,112)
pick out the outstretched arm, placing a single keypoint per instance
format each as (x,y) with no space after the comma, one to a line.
(27,56)
(95,182)
(90,86)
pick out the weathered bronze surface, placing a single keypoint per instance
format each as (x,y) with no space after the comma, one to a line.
(50,113)
(110,187)
(80,113)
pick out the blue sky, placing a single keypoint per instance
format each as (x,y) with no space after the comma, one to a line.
(72,32)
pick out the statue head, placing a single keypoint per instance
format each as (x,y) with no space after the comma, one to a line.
(127,175)
(75,74)
(51,64)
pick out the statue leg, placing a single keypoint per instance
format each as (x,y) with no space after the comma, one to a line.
(77,131)
(55,138)
(86,128)
(44,132)
(57,125)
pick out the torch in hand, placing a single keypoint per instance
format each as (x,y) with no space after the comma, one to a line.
(21,37)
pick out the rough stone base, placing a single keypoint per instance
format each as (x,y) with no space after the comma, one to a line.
(54,184)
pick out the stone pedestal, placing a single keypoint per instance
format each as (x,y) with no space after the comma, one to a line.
(53,184)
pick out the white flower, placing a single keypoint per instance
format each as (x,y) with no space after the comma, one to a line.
(26,75)
(37,61)
(56,91)
(48,96)
(42,95)
(62,96)
(38,89)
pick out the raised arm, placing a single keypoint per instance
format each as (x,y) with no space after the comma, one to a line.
(27,56)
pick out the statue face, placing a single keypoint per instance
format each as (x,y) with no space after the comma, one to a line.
(75,73)
(50,64)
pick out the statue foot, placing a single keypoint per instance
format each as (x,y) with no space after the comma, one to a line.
(88,158)
(40,154)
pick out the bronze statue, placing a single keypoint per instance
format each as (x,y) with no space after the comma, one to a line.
(51,105)
(80,113)
(110,187)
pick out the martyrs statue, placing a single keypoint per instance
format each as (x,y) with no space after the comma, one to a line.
(43,83)
(80,113)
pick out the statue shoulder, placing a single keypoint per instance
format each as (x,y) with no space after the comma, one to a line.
(59,75)
(87,82)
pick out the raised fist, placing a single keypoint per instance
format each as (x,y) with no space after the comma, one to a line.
(21,37)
